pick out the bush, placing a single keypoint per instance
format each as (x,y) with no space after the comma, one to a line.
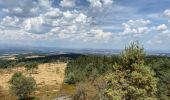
(131,80)
(22,86)
(70,78)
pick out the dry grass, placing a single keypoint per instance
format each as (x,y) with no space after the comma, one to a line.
(49,77)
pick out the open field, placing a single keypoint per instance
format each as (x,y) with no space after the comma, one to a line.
(49,78)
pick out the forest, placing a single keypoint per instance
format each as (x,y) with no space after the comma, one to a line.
(129,76)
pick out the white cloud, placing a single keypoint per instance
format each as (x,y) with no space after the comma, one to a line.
(134,27)
(53,13)
(17,10)
(167,12)
(20,8)
(161,27)
(162,37)
(138,22)
(51,23)
(34,24)
(67,3)
(95,3)
(5,10)
(107,2)
(101,35)
(9,21)
(45,3)
(68,15)
(33,10)
(81,18)
(99,5)
(16,34)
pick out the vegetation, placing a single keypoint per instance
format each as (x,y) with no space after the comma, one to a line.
(131,80)
(147,77)
(21,60)
(31,66)
(6,63)
(88,67)
(130,76)
(80,93)
(22,86)
(162,69)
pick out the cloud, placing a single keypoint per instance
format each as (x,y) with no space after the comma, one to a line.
(44,4)
(13,35)
(101,35)
(167,12)
(161,27)
(95,3)
(78,20)
(17,10)
(53,13)
(138,22)
(162,37)
(134,27)
(9,21)
(5,10)
(162,30)
(67,3)
(99,5)
(155,40)
(40,20)
(107,2)
(35,25)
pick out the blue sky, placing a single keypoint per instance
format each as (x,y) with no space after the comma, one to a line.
(105,24)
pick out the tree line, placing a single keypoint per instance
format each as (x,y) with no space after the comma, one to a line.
(129,76)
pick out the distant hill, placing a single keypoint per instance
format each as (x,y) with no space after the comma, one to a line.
(13,50)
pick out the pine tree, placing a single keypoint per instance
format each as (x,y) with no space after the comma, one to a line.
(131,79)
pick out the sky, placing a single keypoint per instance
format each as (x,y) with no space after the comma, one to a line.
(104,24)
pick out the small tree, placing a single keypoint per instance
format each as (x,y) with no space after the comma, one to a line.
(22,86)
(31,66)
(131,80)
(70,79)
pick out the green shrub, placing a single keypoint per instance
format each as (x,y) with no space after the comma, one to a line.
(71,79)
(15,76)
(22,86)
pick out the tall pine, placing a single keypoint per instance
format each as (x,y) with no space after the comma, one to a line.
(131,79)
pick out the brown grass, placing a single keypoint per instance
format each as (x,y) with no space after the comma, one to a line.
(49,77)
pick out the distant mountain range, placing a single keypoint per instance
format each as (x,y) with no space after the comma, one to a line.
(12,50)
